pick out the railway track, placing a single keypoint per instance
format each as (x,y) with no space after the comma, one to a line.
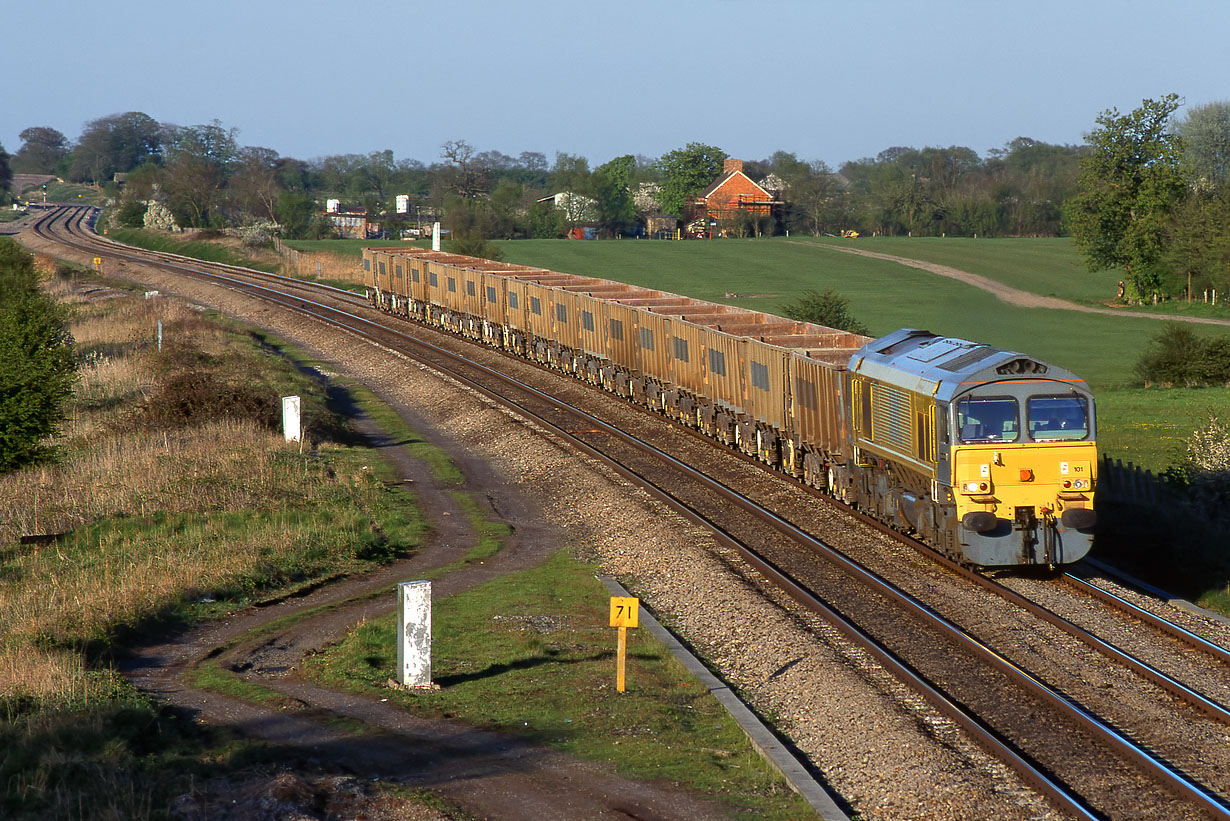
(1085,762)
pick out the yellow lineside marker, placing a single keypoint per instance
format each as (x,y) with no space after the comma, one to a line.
(97,263)
(625,611)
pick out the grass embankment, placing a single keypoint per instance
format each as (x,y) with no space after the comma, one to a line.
(531,654)
(204,246)
(175,498)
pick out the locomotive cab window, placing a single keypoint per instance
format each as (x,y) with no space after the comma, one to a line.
(988,419)
(1053,418)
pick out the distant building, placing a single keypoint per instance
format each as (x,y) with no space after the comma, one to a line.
(351,220)
(732,192)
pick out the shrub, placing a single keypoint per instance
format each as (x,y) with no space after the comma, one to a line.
(37,368)
(258,234)
(473,244)
(1177,357)
(827,308)
(1205,467)
(131,214)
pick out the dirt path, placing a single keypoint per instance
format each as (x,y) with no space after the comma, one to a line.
(1006,293)
(486,774)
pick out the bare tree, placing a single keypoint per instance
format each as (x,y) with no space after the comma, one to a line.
(467,178)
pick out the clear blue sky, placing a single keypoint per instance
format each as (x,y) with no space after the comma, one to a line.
(826,80)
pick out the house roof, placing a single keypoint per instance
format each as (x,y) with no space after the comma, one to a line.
(727,177)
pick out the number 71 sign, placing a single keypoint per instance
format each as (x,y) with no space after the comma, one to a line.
(625,611)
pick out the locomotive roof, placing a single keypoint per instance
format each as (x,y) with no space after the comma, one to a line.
(944,366)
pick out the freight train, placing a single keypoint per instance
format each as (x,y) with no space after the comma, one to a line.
(987,455)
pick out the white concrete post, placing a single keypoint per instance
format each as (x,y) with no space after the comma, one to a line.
(160,334)
(435,236)
(290,419)
(414,634)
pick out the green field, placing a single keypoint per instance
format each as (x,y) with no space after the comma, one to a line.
(767,273)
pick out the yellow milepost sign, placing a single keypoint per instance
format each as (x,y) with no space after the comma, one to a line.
(625,611)
(97,263)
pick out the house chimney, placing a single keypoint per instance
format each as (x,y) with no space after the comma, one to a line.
(730,165)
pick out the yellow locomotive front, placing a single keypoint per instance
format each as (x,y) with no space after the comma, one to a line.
(988,454)
(1024,467)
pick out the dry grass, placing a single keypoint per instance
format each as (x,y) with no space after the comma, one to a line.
(321,265)
(152,518)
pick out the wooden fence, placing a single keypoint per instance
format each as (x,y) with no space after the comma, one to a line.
(318,264)
(1131,484)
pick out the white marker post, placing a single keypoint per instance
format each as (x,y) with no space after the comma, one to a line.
(291,427)
(625,613)
(414,634)
(435,236)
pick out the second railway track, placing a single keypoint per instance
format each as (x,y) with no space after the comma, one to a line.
(1098,776)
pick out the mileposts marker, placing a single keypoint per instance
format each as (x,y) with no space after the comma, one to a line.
(625,611)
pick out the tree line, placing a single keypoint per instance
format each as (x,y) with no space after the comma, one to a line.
(1148,192)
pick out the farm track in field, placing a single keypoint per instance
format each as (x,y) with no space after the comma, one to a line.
(1006,293)
(1067,668)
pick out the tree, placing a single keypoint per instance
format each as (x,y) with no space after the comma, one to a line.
(686,172)
(6,173)
(115,144)
(571,178)
(827,308)
(254,187)
(37,368)
(1206,132)
(611,183)
(466,178)
(1131,181)
(41,150)
(199,162)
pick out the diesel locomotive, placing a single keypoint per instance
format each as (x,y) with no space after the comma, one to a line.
(986,454)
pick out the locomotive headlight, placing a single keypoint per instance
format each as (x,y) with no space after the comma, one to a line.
(975,487)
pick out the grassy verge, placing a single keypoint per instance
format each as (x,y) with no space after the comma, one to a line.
(1148,426)
(208,250)
(174,499)
(531,654)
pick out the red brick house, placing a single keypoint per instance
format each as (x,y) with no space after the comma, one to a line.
(732,192)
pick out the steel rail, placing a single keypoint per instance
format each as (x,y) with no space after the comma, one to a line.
(1152,619)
